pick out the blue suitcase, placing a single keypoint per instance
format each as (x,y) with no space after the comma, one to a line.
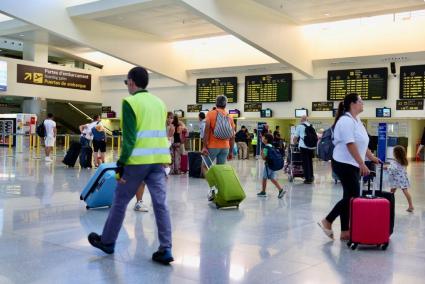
(100,189)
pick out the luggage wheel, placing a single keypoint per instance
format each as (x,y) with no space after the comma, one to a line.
(217,206)
(349,244)
(384,246)
(354,246)
(87,207)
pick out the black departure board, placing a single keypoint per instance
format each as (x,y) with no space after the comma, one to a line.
(194,108)
(268,88)
(322,106)
(409,105)
(208,89)
(412,80)
(370,83)
(253,107)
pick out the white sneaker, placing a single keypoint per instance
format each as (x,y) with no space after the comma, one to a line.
(139,206)
(48,159)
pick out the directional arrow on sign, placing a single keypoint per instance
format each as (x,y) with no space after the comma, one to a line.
(28,76)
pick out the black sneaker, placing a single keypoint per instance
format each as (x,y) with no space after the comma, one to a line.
(95,240)
(163,257)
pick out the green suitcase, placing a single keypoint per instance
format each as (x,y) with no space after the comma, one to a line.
(229,189)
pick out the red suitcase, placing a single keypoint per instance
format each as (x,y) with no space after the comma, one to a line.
(184,163)
(369,221)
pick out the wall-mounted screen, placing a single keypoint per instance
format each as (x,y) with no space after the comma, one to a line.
(234,113)
(208,89)
(412,80)
(179,113)
(3,76)
(383,112)
(299,112)
(370,83)
(266,113)
(268,88)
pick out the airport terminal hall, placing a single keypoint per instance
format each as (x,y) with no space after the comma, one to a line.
(212,141)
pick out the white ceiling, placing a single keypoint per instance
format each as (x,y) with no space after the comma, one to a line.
(43,37)
(168,21)
(314,11)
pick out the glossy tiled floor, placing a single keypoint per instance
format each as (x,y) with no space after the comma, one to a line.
(43,229)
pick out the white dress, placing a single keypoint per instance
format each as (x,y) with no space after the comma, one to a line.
(397,176)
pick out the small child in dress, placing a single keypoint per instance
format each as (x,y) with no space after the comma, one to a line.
(267,172)
(397,175)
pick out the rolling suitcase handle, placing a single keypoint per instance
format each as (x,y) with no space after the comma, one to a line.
(380,180)
(204,160)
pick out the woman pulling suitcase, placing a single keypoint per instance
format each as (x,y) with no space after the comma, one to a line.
(351,147)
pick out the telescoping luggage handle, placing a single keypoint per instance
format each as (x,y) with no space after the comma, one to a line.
(205,160)
(380,180)
(95,183)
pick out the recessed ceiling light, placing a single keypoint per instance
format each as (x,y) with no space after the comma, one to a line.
(327,14)
(21,35)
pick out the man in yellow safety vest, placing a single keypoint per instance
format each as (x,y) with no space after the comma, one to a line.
(145,151)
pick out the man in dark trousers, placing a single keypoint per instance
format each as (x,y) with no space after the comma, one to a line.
(144,153)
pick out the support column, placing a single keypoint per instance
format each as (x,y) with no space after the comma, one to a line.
(35,52)
(36,106)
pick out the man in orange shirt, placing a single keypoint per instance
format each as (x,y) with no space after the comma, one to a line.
(214,147)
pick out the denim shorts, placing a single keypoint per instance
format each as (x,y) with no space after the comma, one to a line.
(268,173)
(218,153)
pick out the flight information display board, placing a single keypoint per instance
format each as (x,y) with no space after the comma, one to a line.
(369,83)
(409,105)
(208,89)
(412,80)
(253,107)
(268,88)
(322,106)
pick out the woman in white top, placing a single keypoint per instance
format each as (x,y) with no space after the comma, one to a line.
(351,148)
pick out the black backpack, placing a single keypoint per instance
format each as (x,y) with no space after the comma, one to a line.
(310,139)
(274,159)
(41,130)
(325,148)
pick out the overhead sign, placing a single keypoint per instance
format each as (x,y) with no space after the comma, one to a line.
(409,105)
(412,80)
(207,89)
(194,108)
(268,88)
(106,109)
(252,107)
(53,78)
(369,83)
(322,106)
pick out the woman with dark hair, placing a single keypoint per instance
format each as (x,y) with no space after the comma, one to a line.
(178,144)
(348,162)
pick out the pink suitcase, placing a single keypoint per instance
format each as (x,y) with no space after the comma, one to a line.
(184,163)
(369,221)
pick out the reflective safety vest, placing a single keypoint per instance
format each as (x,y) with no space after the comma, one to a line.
(152,146)
(254,139)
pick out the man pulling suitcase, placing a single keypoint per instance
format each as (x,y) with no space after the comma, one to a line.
(145,151)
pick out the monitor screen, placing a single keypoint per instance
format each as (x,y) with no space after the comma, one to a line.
(3,76)
(383,112)
(300,112)
(179,113)
(266,113)
(234,113)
